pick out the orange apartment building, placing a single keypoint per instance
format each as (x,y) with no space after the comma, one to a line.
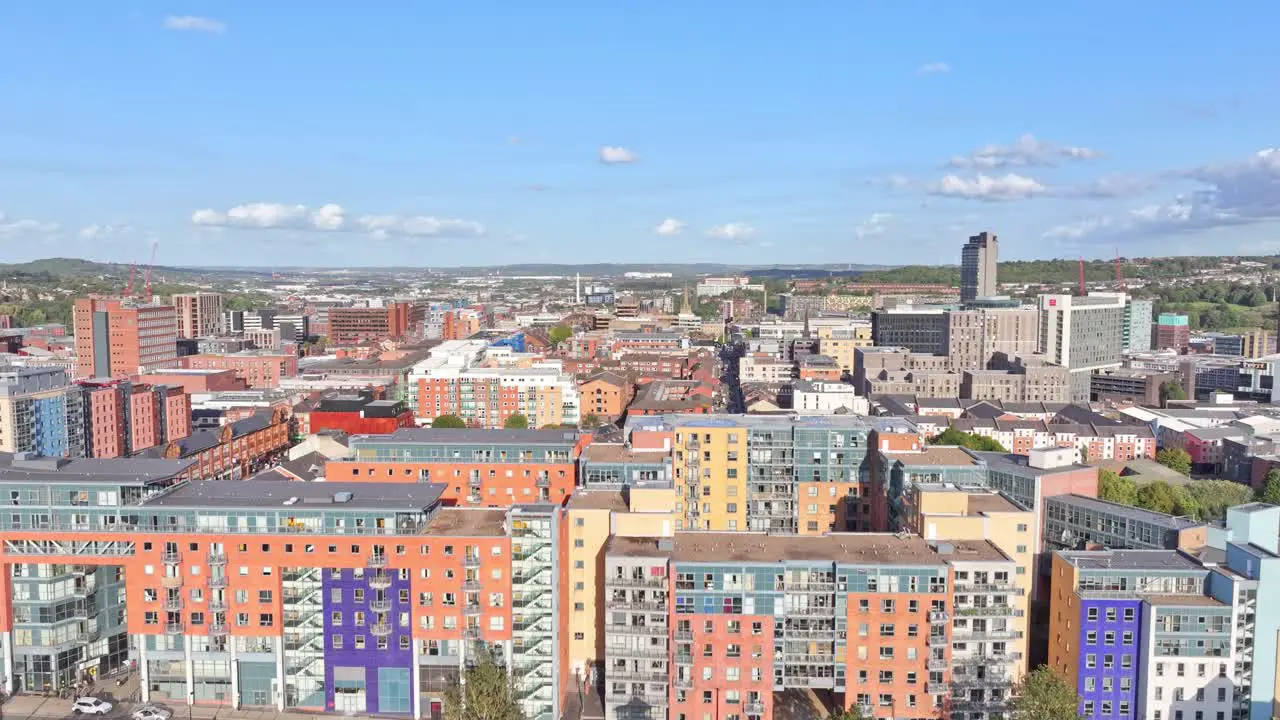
(258,369)
(118,338)
(460,324)
(348,598)
(122,418)
(605,395)
(478,468)
(353,326)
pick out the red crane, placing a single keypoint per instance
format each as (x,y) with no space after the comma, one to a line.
(1119,272)
(151,266)
(128,289)
(1081,276)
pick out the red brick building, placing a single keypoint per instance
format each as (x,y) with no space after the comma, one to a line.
(124,418)
(359,415)
(234,451)
(352,326)
(258,370)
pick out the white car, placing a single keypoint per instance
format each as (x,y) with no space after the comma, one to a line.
(151,712)
(91,706)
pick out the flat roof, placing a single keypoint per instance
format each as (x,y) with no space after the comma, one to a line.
(451,436)
(935,455)
(302,495)
(990,502)
(635,547)
(113,471)
(1173,522)
(1130,560)
(468,522)
(970,551)
(614,453)
(598,500)
(855,548)
(1185,600)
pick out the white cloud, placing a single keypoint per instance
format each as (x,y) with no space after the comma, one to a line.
(933,68)
(988,188)
(26,226)
(333,218)
(101,232)
(194,23)
(1023,152)
(1238,193)
(737,232)
(617,155)
(874,226)
(670,226)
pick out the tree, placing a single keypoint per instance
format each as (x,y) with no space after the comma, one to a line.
(1171,390)
(1270,491)
(1044,695)
(488,693)
(1213,497)
(952,436)
(853,713)
(448,421)
(1158,496)
(559,334)
(516,422)
(591,420)
(1116,489)
(1175,459)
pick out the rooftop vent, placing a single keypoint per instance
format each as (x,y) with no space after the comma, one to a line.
(342,497)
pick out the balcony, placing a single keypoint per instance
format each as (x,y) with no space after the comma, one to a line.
(989,611)
(638,605)
(171,557)
(936,640)
(938,616)
(471,561)
(380,605)
(660,630)
(217,582)
(472,585)
(755,707)
(471,609)
(972,634)
(171,581)
(84,589)
(642,582)
(935,688)
(380,629)
(378,560)
(657,676)
(379,580)
(216,558)
(217,606)
(471,632)
(543,482)
(977,588)
(218,630)
(173,628)
(90,635)
(937,664)
(173,604)
(654,653)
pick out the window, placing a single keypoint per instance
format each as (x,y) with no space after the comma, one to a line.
(336,642)
(264,596)
(265,620)
(1092,614)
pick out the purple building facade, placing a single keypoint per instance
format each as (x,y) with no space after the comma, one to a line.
(1110,658)
(368,641)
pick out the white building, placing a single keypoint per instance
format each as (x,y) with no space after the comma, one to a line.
(712,286)
(761,368)
(821,397)
(1083,334)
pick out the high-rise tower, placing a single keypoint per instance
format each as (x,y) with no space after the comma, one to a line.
(978,267)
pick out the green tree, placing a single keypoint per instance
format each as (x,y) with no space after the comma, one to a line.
(1116,489)
(591,420)
(487,692)
(1044,695)
(1213,497)
(559,334)
(1270,491)
(1171,390)
(516,422)
(1158,496)
(853,713)
(952,436)
(448,422)
(1175,459)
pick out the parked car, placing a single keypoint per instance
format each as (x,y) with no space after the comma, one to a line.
(152,712)
(90,706)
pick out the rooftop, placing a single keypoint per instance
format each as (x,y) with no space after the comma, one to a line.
(849,548)
(598,500)
(933,456)
(304,495)
(970,551)
(468,522)
(451,436)
(1131,560)
(1172,522)
(634,547)
(118,471)
(1184,600)
(613,453)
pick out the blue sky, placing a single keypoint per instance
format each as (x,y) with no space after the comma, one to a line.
(435,134)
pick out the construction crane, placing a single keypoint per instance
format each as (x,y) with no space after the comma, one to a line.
(151,266)
(1119,272)
(128,289)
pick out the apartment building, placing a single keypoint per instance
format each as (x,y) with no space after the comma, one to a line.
(979,259)
(1084,334)
(1091,442)
(199,314)
(41,412)
(476,468)
(233,451)
(455,379)
(356,325)
(1172,332)
(1160,634)
(1080,522)
(340,597)
(764,368)
(605,395)
(258,369)
(119,337)
(122,418)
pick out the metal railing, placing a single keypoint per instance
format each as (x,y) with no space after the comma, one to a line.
(173,604)
(173,628)
(217,582)
(216,557)
(171,581)
(171,557)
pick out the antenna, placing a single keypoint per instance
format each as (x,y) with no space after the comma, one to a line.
(1082,276)
(151,266)
(128,289)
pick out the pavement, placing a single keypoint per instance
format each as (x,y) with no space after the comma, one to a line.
(41,707)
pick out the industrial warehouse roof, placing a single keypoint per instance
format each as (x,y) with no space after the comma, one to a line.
(116,471)
(846,548)
(937,455)
(451,436)
(260,494)
(1131,560)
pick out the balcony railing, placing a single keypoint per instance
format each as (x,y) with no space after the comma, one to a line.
(171,557)
(217,582)
(379,580)
(380,605)
(173,604)
(218,630)
(378,560)
(628,581)
(173,628)
(471,561)
(171,581)
(380,629)
(217,606)
(217,557)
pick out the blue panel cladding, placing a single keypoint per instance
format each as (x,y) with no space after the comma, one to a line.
(1118,650)
(370,657)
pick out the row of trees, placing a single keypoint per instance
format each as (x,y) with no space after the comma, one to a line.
(513,422)
(1215,292)
(1042,695)
(1203,500)
(972,441)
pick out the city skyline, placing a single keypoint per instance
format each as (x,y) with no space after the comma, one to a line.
(244,135)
